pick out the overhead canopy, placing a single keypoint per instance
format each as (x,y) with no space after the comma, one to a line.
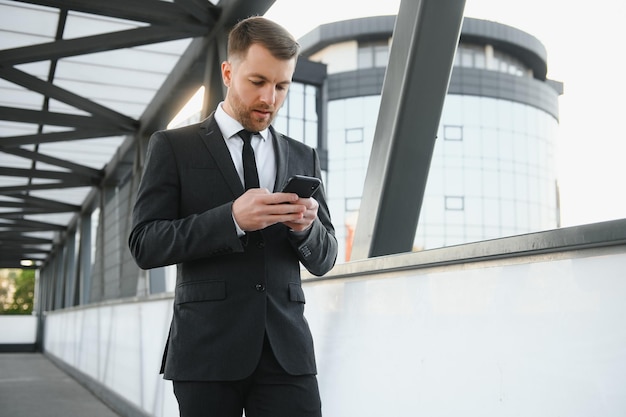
(80,80)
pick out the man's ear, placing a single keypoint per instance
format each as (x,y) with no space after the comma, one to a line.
(227,73)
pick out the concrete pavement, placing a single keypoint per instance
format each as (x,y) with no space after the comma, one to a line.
(32,386)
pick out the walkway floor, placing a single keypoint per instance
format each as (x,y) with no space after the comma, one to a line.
(32,386)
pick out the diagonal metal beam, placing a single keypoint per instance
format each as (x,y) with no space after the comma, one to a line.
(416,82)
(78,134)
(50,160)
(149,11)
(48,186)
(12,251)
(33,224)
(49,175)
(9,239)
(50,118)
(52,91)
(26,210)
(202,10)
(38,202)
(97,43)
(235,10)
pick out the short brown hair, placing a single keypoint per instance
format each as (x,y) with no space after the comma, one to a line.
(259,30)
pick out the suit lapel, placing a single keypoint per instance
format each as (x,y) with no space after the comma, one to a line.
(281,149)
(214,141)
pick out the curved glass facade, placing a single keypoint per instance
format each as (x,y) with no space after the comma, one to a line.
(492,172)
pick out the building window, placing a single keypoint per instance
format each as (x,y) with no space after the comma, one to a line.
(470,56)
(354,135)
(298,117)
(453,132)
(505,63)
(373,54)
(484,57)
(455,203)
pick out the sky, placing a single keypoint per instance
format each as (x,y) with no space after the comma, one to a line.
(584,41)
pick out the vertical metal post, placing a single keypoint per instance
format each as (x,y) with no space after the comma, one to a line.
(214,88)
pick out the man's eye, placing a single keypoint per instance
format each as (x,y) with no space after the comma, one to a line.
(257,83)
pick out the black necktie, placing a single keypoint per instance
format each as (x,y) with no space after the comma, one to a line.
(250,174)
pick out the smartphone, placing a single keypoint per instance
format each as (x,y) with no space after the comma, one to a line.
(302,185)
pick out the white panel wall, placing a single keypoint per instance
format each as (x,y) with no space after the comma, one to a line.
(542,338)
(119,346)
(18,329)
(535,336)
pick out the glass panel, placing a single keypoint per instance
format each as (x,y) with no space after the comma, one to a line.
(366,58)
(310,104)
(310,134)
(296,129)
(381,57)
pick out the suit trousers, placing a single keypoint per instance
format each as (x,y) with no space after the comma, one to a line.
(268,392)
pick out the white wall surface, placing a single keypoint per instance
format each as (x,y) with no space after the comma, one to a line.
(538,338)
(339,57)
(18,329)
(119,346)
(531,336)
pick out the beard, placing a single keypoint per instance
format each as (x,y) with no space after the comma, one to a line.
(246,116)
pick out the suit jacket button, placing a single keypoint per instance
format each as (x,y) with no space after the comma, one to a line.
(260,244)
(260,287)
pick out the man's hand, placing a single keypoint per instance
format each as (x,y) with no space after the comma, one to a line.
(257,209)
(309,215)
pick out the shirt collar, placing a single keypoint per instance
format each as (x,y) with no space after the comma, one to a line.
(231,127)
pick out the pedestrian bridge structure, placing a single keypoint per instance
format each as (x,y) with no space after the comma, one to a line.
(524,325)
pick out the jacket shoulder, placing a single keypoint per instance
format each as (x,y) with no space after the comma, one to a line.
(187,131)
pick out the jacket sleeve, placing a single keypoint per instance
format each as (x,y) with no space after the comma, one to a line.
(159,235)
(317,251)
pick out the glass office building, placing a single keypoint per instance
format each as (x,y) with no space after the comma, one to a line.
(493,171)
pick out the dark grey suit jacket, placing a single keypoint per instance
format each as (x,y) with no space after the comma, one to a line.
(230,291)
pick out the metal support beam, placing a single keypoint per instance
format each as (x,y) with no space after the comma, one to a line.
(149,11)
(56,119)
(214,88)
(97,43)
(51,160)
(14,141)
(416,82)
(50,90)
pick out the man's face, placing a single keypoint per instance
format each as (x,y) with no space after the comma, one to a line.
(257,87)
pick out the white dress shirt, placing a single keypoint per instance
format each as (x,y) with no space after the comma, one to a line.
(262,144)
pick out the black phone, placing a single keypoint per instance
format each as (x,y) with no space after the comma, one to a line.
(302,185)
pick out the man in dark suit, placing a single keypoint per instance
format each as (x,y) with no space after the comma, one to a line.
(238,338)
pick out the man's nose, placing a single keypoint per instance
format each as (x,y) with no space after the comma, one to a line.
(268,95)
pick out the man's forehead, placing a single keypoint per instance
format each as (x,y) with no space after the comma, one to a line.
(257,50)
(265,65)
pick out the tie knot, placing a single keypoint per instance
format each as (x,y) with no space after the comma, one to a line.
(246,135)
